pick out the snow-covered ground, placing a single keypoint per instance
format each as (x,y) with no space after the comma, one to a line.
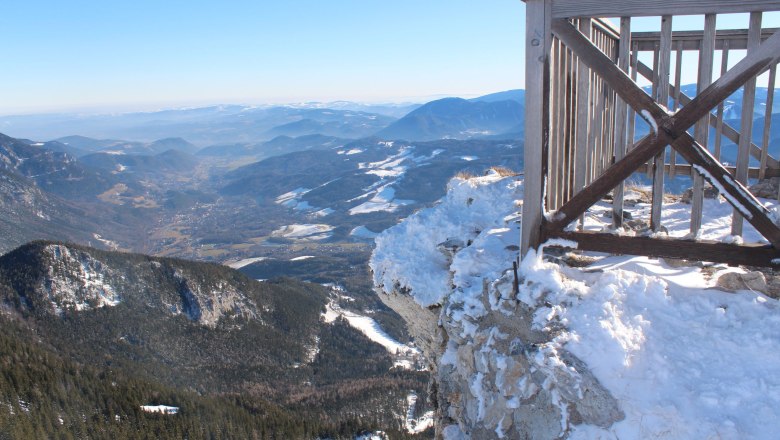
(405,356)
(684,359)
(369,327)
(162,409)
(716,224)
(416,425)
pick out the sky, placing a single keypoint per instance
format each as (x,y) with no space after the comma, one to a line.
(119,55)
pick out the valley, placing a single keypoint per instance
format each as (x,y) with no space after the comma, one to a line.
(219,257)
(278,313)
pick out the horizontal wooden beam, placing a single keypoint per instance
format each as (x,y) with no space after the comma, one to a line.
(639,8)
(685,169)
(691,40)
(697,250)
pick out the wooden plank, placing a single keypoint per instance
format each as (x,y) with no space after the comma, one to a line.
(724,66)
(698,250)
(746,129)
(640,8)
(701,129)
(716,120)
(690,40)
(770,95)
(537,68)
(671,129)
(583,122)
(552,179)
(621,113)
(571,123)
(676,102)
(685,170)
(631,112)
(662,97)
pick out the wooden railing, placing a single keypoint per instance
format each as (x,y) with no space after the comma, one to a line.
(585,114)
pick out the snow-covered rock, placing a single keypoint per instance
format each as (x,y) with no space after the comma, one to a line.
(626,348)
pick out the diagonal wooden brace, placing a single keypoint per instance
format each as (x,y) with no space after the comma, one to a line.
(671,130)
(728,131)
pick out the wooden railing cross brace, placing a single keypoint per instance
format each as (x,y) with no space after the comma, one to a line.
(671,130)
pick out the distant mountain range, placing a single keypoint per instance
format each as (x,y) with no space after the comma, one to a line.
(236,124)
(456,118)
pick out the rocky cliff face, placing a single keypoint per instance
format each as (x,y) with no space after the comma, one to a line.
(499,371)
(62,278)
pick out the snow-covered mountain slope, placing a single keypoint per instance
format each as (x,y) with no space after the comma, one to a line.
(62,279)
(625,348)
(368,184)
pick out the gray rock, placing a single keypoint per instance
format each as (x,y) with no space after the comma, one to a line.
(734,281)
(766,188)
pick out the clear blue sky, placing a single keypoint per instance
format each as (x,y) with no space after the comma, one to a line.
(142,54)
(119,54)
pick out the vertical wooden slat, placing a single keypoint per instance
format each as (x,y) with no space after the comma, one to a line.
(746,121)
(675,106)
(624,53)
(552,180)
(631,112)
(583,94)
(724,66)
(770,95)
(537,68)
(570,123)
(701,129)
(662,97)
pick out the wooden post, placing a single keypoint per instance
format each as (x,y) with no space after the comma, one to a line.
(624,53)
(724,66)
(702,127)
(662,97)
(746,131)
(770,95)
(582,135)
(537,120)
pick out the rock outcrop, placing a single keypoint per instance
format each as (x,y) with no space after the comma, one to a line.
(497,373)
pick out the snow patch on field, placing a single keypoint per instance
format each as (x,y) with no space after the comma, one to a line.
(363,232)
(293,200)
(302,257)
(383,200)
(245,262)
(306,232)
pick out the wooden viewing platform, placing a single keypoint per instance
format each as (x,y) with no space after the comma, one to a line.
(583,113)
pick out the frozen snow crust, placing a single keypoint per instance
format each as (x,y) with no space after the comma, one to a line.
(627,348)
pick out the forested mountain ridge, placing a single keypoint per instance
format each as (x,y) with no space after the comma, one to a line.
(190,335)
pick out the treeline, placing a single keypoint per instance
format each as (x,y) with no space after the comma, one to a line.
(45,396)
